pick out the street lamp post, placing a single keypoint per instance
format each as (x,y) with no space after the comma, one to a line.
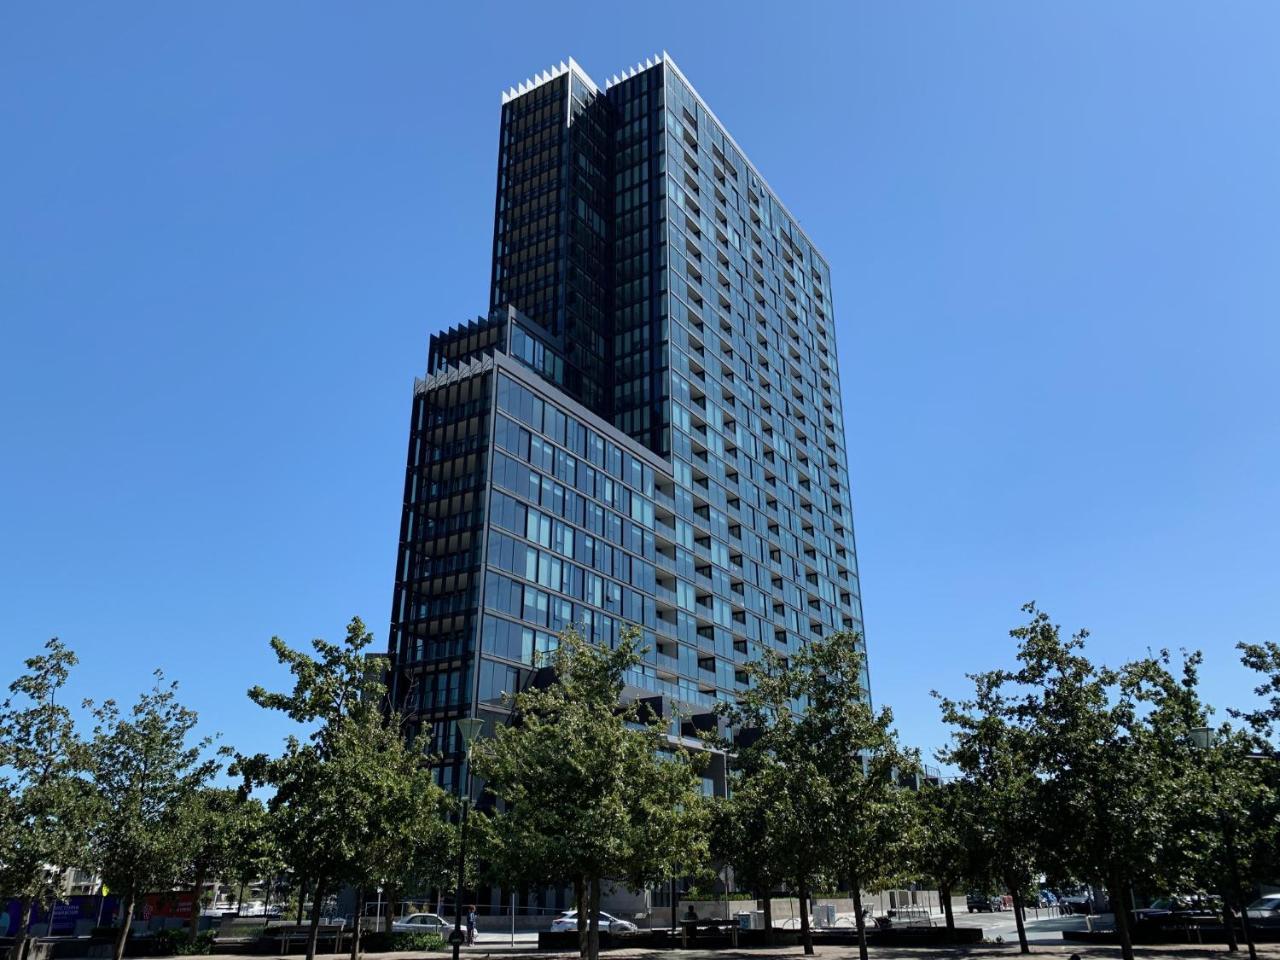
(1203,739)
(468,729)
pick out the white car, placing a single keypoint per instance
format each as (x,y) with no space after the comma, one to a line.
(421,923)
(567,922)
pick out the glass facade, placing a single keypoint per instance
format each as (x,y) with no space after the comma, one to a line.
(645,429)
(551,256)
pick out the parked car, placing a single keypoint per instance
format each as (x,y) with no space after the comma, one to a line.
(1264,912)
(1085,901)
(1047,898)
(1180,910)
(421,923)
(1076,903)
(983,902)
(567,922)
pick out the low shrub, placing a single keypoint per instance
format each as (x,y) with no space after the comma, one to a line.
(178,942)
(708,895)
(417,941)
(401,942)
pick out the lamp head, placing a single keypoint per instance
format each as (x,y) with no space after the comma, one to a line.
(1203,737)
(469,728)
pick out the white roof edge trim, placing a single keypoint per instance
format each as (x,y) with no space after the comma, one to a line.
(647,64)
(546,76)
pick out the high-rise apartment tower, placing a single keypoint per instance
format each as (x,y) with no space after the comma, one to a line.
(645,428)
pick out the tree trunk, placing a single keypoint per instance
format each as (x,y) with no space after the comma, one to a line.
(393,901)
(675,903)
(580,901)
(357,925)
(24,927)
(313,934)
(1247,931)
(944,891)
(806,935)
(858,921)
(193,925)
(593,926)
(1229,922)
(25,917)
(126,921)
(768,917)
(1121,914)
(302,898)
(1016,889)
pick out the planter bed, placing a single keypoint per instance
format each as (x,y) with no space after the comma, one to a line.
(1206,934)
(666,940)
(901,937)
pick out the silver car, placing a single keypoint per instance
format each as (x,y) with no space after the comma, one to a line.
(1265,912)
(568,921)
(421,923)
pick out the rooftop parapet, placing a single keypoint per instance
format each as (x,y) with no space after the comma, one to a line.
(546,76)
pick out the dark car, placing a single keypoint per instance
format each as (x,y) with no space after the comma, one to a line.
(982,902)
(1180,911)
(1084,901)
(1264,913)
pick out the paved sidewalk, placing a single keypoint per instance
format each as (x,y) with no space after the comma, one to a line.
(1007,951)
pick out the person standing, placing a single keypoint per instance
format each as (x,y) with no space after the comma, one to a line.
(471,924)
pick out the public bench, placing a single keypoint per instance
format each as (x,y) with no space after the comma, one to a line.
(286,935)
(233,928)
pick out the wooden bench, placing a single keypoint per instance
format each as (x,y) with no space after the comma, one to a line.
(288,933)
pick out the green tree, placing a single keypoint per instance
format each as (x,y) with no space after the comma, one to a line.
(998,786)
(946,844)
(330,687)
(1229,816)
(749,828)
(590,790)
(877,835)
(44,800)
(309,804)
(307,809)
(1159,734)
(1263,658)
(841,765)
(1107,783)
(397,816)
(1251,769)
(228,840)
(146,773)
(353,802)
(879,841)
(1218,809)
(1091,772)
(1242,784)
(1079,768)
(781,769)
(256,854)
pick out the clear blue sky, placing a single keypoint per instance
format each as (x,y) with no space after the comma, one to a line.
(227,230)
